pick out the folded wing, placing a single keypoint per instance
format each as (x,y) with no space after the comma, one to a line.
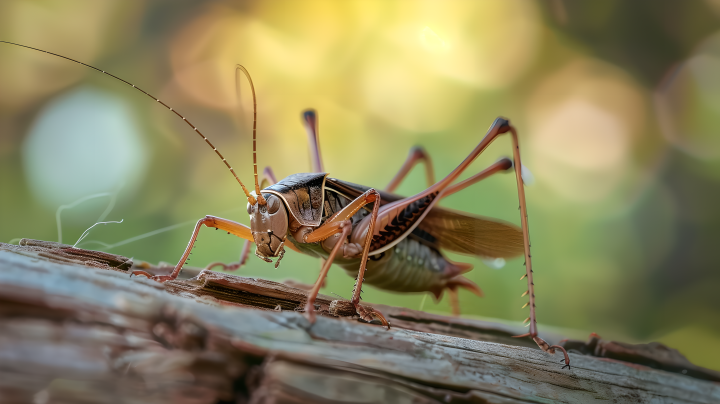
(472,235)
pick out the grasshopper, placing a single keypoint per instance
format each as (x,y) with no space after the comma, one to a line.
(389,241)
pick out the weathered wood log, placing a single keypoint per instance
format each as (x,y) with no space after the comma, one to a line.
(78,328)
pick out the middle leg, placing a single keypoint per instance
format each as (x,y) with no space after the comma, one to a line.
(417,154)
(335,225)
(244,254)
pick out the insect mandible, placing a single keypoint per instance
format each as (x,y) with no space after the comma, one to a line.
(392,242)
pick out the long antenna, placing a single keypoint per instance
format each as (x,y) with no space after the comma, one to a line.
(260,198)
(251,199)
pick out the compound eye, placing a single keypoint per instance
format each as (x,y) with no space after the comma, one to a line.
(273,204)
(250,208)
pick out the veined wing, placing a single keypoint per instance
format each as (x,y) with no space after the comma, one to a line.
(452,230)
(473,235)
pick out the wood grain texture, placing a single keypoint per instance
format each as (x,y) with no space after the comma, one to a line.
(79,333)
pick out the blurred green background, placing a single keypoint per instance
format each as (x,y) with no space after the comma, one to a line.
(617,105)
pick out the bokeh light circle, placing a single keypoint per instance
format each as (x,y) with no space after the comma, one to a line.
(584,121)
(82,143)
(688,102)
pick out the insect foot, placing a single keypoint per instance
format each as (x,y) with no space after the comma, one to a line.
(369,314)
(551,350)
(310,311)
(158,278)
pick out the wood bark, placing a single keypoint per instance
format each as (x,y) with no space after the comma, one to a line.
(75,327)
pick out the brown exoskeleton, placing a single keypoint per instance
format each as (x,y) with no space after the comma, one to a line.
(392,242)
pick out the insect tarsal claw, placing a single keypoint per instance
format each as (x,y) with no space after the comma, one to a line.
(369,314)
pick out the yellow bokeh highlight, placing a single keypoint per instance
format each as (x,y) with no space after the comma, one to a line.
(688,102)
(74,29)
(584,120)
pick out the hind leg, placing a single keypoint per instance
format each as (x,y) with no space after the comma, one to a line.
(420,204)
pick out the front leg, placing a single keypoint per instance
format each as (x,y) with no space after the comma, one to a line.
(345,228)
(229,226)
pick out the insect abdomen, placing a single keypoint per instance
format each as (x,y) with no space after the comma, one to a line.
(410,266)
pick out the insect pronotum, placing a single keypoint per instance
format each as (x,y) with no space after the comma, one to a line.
(391,242)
